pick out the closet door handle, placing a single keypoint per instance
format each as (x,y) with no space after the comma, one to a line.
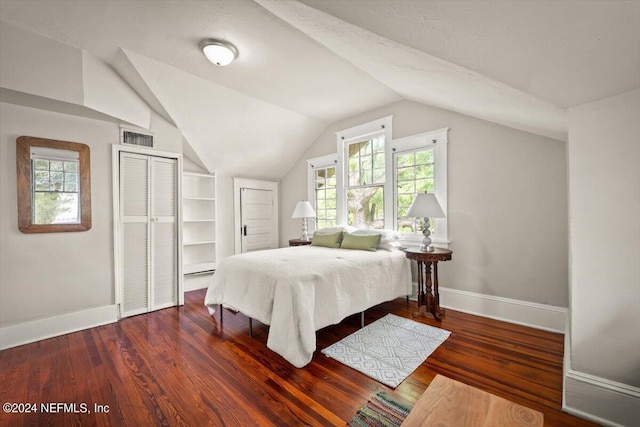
(244,230)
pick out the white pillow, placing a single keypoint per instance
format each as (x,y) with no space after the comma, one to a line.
(391,246)
(335,229)
(386,236)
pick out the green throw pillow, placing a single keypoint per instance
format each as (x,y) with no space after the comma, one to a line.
(365,242)
(328,240)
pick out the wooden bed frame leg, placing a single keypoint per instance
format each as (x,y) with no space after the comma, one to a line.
(220,306)
(250,327)
(362,319)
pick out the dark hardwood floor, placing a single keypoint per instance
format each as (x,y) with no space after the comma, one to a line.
(180,366)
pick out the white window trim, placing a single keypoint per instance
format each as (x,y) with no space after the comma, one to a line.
(438,140)
(344,137)
(313,164)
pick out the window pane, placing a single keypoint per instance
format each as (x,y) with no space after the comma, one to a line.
(70,167)
(378,144)
(71,177)
(41,164)
(378,160)
(423,157)
(404,160)
(406,187)
(56,176)
(42,175)
(423,185)
(365,207)
(56,208)
(366,162)
(56,165)
(42,185)
(424,171)
(378,176)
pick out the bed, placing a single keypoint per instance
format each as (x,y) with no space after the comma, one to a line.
(299,290)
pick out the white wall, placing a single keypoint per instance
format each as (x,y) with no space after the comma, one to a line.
(50,273)
(47,274)
(507,202)
(64,276)
(604,195)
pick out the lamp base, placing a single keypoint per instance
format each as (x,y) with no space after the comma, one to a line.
(426,242)
(305,234)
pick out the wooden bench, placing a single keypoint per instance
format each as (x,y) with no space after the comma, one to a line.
(447,402)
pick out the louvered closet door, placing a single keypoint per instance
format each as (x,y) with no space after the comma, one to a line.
(134,217)
(148,210)
(164,273)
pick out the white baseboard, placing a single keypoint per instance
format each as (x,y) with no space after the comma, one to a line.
(600,400)
(40,329)
(539,316)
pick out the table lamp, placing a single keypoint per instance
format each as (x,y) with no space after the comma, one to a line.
(304,210)
(426,205)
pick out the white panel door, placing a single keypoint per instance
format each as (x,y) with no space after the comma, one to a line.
(148,211)
(256,210)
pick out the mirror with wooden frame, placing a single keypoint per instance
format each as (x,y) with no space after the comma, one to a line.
(54,185)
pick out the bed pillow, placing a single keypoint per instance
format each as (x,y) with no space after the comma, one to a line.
(363,242)
(386,236)
(336,228)
(391,246)
(328,240)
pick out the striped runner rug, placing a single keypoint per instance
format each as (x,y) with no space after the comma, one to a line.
(383,410)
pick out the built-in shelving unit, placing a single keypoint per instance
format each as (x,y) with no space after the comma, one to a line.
(199,222)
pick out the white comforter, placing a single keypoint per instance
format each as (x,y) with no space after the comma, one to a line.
(298,290)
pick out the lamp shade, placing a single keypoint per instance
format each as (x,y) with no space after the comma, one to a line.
(218,52)
(303,210)
(425,205)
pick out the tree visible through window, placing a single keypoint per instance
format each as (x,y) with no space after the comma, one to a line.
(366,178)
(55,191)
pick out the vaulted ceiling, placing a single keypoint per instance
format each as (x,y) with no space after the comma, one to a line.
(305,64)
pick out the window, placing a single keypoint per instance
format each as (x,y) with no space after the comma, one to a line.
(54,188)
(377,178)
(419,165)
(414,171)
(365,182)
(325,197)
(323,190)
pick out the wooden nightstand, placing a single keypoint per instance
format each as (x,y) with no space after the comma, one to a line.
(428,298)
(298,242)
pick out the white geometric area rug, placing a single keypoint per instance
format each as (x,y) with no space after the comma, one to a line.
(389,349)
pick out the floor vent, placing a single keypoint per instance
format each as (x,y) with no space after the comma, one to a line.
(136,138)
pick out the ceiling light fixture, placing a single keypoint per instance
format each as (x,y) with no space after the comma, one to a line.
(218,52)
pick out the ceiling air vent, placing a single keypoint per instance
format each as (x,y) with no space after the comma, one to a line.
(136,138)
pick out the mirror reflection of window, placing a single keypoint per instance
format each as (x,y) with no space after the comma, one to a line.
(55,184)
